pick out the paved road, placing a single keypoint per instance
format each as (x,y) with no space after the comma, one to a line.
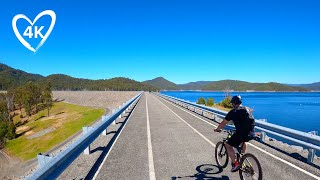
(180,145)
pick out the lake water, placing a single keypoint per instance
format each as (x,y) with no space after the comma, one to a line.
(300,111)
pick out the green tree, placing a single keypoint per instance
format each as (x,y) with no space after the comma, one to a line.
(7,128)
(3,133)
(11,131)
(31,97)
(226,102)
(18,92)
(27,102)
(47,97)
(201,100)
(210,102)
(4,115)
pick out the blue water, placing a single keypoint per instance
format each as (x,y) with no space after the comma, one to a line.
(300,111)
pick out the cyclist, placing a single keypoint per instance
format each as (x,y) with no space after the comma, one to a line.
(244,123)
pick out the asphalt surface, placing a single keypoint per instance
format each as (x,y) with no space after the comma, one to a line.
(183,148)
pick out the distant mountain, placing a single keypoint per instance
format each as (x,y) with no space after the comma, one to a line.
(121,83)
(245,86)
(194,85)
(165,84)
(10,77)
(312,86)
(162,84)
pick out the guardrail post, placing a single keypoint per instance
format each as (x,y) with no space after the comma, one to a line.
(263,134)
(104,132)
(113,122)
(312,152)
(85,130)
(43,159)
(213,116)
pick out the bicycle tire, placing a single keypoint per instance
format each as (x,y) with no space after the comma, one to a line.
(244,157)
(217,150)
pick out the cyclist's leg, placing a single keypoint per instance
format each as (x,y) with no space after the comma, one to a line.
(244,147)
(231,152)
(234,141)
(249,137)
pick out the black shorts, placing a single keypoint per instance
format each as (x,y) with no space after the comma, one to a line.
(237,138)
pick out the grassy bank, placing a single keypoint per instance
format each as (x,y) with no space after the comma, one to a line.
(42,133)
(221,107)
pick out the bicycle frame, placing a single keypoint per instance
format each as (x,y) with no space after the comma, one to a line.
(239,149)
(246,166)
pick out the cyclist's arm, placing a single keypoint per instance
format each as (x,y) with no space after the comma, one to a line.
(222,125)
(225,121)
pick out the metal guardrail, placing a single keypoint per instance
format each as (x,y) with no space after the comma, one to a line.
(52,167)
(310,140)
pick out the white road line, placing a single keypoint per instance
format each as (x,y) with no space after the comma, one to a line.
(152,174)
(258,148)
(206,139)
(105,158)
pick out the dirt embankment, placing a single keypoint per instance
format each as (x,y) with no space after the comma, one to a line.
(101,99)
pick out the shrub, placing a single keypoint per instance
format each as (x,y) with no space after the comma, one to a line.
(201,100)
(210,102)
(11,131)
(226,103)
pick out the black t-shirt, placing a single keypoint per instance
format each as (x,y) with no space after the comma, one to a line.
(242,119)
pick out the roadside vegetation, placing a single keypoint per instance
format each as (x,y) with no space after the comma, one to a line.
(31,122)
(30,97)
(43,132)
(224,105)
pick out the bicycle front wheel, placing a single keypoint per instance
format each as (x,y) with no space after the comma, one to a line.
(250,168)
(221,155)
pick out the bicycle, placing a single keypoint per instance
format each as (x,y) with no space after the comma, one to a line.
(246,167)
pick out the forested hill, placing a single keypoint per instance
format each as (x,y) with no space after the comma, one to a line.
(10,77)
(162,83)
(247,86)
(223,85)
(312,86)
(64,82)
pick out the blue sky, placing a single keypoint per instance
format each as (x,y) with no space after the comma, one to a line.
(183,41)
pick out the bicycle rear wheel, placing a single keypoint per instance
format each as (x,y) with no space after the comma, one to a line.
(250,168)
(221,155)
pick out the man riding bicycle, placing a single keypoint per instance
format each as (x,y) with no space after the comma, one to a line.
(244,123)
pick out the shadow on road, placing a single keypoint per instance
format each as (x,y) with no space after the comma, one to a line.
(295,155)
(205,172)
(106,149)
